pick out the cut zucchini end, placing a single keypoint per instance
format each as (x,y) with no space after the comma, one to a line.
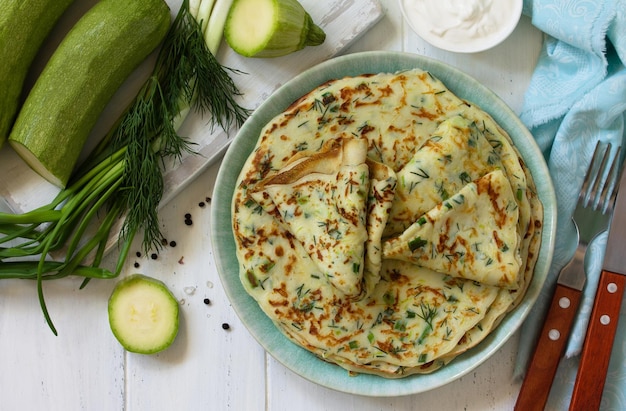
(33,162)
(143,314)
(250,26)
(315,34)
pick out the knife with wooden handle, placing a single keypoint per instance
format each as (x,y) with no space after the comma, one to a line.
(596,352)
(553,338)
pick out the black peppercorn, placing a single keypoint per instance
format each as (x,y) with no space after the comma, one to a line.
(188,219)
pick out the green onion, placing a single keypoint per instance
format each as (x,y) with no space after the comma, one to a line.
(215,30)
(416,243)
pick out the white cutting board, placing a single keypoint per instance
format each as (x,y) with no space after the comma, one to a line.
(342,20)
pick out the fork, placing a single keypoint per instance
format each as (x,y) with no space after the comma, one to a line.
(590,218)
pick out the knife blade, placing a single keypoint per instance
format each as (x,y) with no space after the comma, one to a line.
(596,352)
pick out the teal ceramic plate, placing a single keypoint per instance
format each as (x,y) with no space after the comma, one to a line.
(261,327)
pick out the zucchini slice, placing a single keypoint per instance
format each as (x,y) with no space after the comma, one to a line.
(143,314)
(270,28)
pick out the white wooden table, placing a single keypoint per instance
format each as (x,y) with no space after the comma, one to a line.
(208,367)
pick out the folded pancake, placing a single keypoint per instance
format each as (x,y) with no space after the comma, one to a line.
(322,200)
(472,235)
(455,155)
(429,145)
(507,299)
(530,208)
(381,195)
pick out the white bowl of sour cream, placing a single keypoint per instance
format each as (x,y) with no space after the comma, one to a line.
(462,26)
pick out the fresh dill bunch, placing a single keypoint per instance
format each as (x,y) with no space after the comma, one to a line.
(142,131)
(191,76)
(186,76)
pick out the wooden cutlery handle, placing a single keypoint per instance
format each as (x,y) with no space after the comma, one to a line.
(549,349)
(596,353)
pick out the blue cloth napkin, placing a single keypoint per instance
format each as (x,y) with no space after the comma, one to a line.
(576,97)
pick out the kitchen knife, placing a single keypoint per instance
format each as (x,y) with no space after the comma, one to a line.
(596,352)
(551,343)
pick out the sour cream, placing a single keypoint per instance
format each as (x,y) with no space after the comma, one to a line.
(464,26)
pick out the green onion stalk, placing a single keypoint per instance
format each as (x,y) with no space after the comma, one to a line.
(122,177)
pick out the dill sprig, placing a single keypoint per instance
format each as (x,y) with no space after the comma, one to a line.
(186,68)
(186,75)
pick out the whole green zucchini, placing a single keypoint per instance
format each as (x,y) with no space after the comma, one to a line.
(24,25)
(82,75)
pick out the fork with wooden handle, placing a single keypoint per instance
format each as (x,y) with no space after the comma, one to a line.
(590,218)
(605,314)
